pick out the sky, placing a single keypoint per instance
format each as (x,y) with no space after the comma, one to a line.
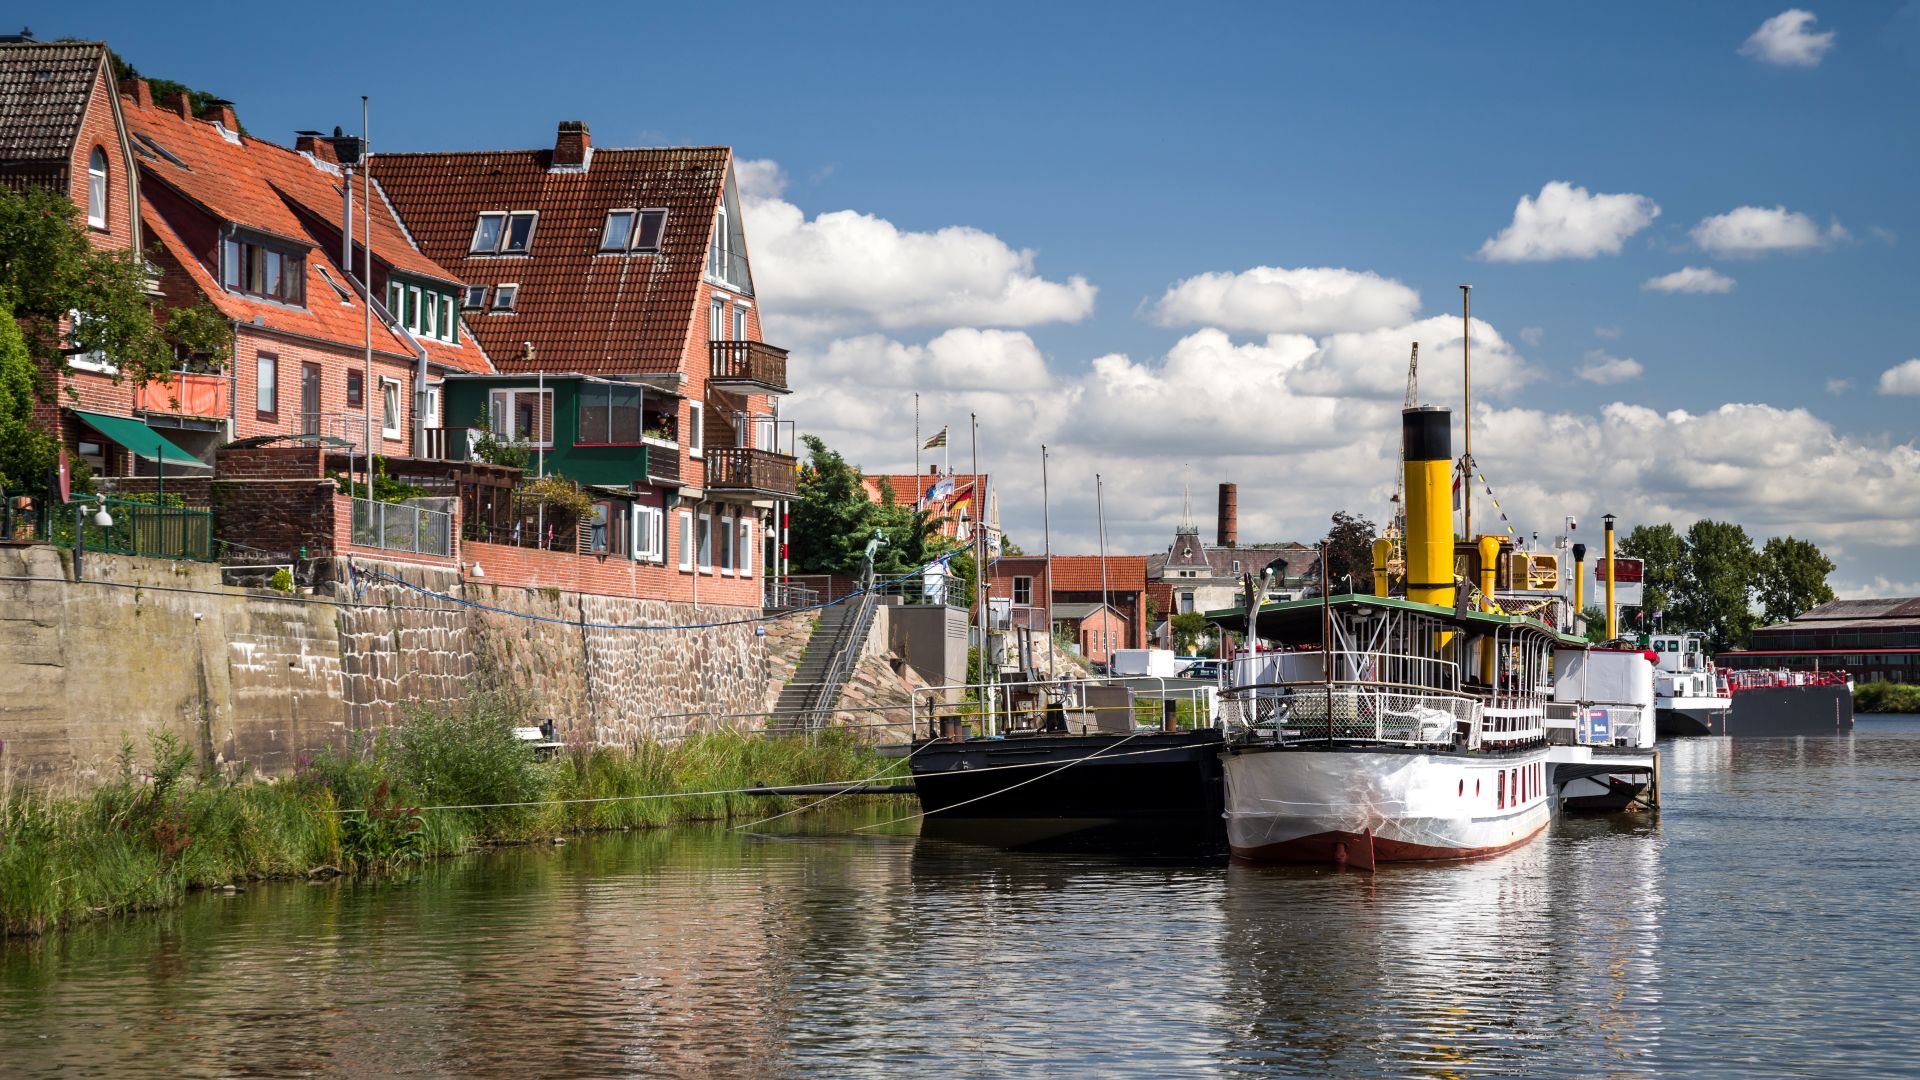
(1186,244)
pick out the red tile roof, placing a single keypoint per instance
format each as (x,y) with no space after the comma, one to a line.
(583,311)
(1081,573)
(247,183)
(43,99)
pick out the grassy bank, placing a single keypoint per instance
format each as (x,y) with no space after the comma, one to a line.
(158,831)
(1881,697)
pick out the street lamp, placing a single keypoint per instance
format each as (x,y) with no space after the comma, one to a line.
(101,518)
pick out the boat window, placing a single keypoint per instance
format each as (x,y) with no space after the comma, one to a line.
(1500,801)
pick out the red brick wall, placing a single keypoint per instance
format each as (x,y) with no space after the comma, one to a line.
(260,517)
(194,491)
(617,575)
(334,363)
(97,128)
(269,463)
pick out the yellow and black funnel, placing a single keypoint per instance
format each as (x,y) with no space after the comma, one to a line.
(1426,455)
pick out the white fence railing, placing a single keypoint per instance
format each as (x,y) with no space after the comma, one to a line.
(402,527)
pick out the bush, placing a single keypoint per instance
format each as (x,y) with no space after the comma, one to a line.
(1884,697)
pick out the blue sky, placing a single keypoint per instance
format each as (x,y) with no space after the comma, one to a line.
(1139,146)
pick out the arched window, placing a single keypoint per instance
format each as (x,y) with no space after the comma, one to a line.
(97,189)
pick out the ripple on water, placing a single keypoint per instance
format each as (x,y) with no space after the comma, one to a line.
(1760,928)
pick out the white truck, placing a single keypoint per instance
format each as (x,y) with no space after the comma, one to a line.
(1146,663)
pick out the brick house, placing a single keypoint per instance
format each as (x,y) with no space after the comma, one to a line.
(1116,615)
(1193,575)
(61,130)
(956,500)
(254,229)
(612,290)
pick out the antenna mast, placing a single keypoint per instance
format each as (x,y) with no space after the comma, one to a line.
(1396,530)
(1466,379)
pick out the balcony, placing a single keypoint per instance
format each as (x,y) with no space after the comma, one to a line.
(188,395)
(660,462)
(746,469)
(749,365)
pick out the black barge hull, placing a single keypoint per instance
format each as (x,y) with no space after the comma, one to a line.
(1791,710)
(1158,794)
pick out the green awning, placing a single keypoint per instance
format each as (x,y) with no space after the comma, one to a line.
(139,438)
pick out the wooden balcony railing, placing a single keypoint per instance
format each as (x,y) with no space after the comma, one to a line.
(750,363)
(185,393)
(744,468)
(662,463)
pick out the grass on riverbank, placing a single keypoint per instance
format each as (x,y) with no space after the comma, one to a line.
(1882,697)
(156,832)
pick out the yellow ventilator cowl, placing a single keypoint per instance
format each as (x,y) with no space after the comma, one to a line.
(1426,455)
(1382,555)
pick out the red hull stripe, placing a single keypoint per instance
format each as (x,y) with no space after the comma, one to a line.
(1324,848)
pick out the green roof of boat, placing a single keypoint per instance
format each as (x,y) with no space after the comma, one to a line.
(1291,612)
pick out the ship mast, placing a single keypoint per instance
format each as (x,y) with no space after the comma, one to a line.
(1466,378)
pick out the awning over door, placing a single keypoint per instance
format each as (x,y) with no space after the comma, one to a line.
(139,439)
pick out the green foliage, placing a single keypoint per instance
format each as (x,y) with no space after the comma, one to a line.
(1596,618)
(1721,570)
(1009,549)
(558,495)
(156,831)
(833,519)
(1350,552)
(281,581)
(1189,629)
(1882,697)
(492,449)
(1793,578)
(27,451)
(385,487)
(49,268)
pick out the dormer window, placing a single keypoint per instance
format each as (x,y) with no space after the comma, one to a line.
(633,230)
(504,233)
(476,298)
(248,266)
(423,309)
(505,296)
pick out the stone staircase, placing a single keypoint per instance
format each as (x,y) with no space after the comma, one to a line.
(832,651)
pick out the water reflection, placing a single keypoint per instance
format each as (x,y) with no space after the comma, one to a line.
(1758,929)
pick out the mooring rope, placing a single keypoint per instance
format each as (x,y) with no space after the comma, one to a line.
(855,785)
(1023,783)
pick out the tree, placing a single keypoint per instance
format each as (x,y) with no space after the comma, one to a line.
(27,453)
(1793,578)
(1663,555)
(1009,549)
(49,269)
(1350,552)
(1720,572)
(833,519)
(1189,629)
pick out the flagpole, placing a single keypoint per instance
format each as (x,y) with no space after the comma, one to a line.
(1046,548)
(1100,509)
(917,493)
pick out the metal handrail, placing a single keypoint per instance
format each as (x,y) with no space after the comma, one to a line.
(845,654)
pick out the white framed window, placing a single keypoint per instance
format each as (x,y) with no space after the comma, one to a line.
(476,298)
(743,551)
(727,536)
(505,297)
(649,534)
(397,302)
(717,320)
(616,232)
(686,541)
(519,235)
(486,233)
(430,407)
(649,230)
(266,380)
(522,415)
(338,289)
(449,326)
(418,318)
(95,361)
(739,321)
(97,189)
(696,439)
(1023,591)
(390,412)
(705,524)
(720,253)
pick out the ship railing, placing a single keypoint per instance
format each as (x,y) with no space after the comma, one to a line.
(1115,704)
(1509,720)
(1349,711)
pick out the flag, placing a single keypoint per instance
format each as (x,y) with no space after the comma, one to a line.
(1458,476)
(63,482)
(938,440)
(940,490)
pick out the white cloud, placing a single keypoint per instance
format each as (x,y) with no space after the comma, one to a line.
(1901,378)
(1787,40)
(1532,335)
(1880,588)
(1277,300)
(845,272)
(1604,370)
(1568,222)
(1883,234)
(1608,332)
(1836,387)
(1690,279)
(1749,231)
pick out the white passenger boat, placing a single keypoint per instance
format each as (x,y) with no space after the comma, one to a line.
(1690,697)
(1392,727)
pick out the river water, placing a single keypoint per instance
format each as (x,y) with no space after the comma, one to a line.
(1762,926)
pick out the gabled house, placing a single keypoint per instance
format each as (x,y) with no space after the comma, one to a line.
(613,292)
(1099,603)
(61,130)
(254,229)
(1193,575)
(957,501)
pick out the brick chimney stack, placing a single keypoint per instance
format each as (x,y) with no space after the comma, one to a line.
(140,92)
(222,113)
(319,146)
(179,102)
(570,148)
(1229,516)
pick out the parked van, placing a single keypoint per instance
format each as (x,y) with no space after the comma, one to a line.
(1145,662)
